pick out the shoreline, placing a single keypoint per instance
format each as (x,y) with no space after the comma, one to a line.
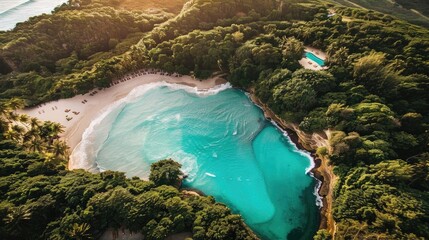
(321,171)
(81,110)
(90,105)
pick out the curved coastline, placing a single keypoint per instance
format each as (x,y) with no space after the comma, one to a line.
(162,112)
(101,102)
(89,106)
(79,157)
(320,169)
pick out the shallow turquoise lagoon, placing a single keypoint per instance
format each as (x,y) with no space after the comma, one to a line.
(315,58)
(15,11)
(226,147)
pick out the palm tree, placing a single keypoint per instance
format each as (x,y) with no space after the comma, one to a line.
(11,135)
(15,133)
(12,116)
(36,145)
(59,148)
(25,120)
(7,109)
(50,130)
(4,109)
(17,218)
(56,128)
(79,231)
(33,130)
(30,134)
(34,123)
(16,103)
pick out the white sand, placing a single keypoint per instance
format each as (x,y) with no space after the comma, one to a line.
(121,234)
(55,111)
(125,234)
(310,64)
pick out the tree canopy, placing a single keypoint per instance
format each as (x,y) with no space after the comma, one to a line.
(166,172)
(372,97)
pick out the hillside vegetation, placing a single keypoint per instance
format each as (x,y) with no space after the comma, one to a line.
(414,11)
(173,6)
(40,199)
(373,98)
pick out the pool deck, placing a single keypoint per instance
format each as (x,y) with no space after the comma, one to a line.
(310,64)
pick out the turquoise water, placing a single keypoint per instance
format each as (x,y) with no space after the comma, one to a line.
(225,146)
(315,58)
(15,11)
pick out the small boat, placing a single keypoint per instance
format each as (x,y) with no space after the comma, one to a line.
(210,174)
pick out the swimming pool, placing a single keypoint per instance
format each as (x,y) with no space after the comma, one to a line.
(315,58)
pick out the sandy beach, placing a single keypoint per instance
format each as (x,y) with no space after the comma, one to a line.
(76,113)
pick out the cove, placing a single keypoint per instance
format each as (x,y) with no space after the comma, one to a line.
(225,145)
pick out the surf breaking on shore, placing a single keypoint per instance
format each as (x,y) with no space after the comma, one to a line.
(98,109)
(84,154)
(89,106)
(16,11)
(94,106)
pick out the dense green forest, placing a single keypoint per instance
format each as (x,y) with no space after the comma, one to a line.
(373,98)
(414,11)
(40,199)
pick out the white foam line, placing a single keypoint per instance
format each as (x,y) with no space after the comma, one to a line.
(305,153)
(18,4)
(84,154)
(319,199)
(302,152)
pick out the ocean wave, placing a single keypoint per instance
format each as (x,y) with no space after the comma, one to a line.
(15,5)
(319,199)
(205,92)
(189,164)
(210,174)
(85,153)
(304,153)
(23,10)
(301,152)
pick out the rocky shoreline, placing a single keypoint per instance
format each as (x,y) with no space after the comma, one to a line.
(321,171)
